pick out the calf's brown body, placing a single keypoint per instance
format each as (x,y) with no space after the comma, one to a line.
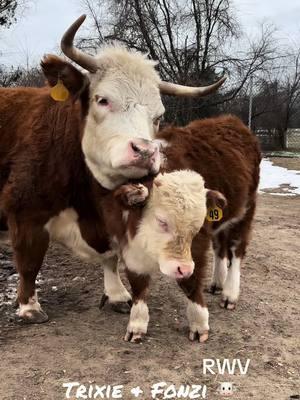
(227,155)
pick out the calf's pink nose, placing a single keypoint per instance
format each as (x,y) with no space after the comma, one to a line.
(185,270)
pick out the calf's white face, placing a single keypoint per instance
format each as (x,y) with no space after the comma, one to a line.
(174,214)
(125,108)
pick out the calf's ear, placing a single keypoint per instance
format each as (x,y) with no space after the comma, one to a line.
(55,69)
(215,199)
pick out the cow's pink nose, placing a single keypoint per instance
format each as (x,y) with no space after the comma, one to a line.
(185,270)
(142,148)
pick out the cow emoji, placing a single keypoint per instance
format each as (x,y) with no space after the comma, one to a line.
(226,389)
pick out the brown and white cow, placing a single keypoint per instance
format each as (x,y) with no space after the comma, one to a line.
(59,158)
(169,232)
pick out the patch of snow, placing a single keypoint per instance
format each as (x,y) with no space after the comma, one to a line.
(272,177)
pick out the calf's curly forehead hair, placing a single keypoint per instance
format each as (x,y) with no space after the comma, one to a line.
(182,190)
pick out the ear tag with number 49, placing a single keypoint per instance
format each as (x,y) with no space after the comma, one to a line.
(214,214)
(59,92)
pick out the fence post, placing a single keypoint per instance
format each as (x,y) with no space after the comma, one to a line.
(250,102)
(285,140)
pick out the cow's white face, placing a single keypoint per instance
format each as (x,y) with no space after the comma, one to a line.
(124,113)
(174,214)
(124,110)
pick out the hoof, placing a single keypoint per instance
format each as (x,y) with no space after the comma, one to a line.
(200,337)
(121,307)
(228,305)
(103,301)
(134,337)
(34,317)
(214,289)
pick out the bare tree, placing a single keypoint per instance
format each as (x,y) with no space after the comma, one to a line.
(10,11)
(21,76)
(7,12)
(291,89)
(9,77)
(192,40)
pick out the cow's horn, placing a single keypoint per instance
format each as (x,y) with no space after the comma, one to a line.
(174,89)
(84,60)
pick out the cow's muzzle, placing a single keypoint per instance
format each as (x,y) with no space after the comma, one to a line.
(144,154)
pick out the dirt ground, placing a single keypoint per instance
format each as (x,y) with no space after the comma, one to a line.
(82,344)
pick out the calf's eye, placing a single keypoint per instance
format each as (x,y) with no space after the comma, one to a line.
(102,101)
(162,224)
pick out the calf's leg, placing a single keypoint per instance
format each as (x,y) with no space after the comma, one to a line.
(114,290)
(220,266)
(197,312)
(30,245)
(139,314)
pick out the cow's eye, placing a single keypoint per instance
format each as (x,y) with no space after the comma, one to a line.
(102,101)
(162,224)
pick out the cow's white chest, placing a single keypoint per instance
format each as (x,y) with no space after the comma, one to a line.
(64,228)
(137,259)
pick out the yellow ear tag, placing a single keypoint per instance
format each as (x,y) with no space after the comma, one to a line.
(59,92)
(214,214)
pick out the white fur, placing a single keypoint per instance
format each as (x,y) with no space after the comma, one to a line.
(197,317)
(32,305)
(113,286)
(125,216)
(131,84)
(64,229)
(139,318)
(219,271)
(231,288)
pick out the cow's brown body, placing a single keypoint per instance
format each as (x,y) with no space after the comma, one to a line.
(54,156)
(227,155)
(42,172)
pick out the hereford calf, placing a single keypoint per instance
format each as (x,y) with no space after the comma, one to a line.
(169,232)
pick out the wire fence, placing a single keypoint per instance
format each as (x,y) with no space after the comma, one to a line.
(272,139)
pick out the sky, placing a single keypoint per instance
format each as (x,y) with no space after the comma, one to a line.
(41,26)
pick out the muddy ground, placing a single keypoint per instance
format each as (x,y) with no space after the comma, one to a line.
(81,343)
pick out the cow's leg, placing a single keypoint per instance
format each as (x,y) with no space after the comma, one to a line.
(220,266)
(238,238)
(114,290)
(30,245)
(139,314)
(197,312)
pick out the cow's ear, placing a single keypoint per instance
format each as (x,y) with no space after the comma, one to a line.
(55,69)
(215,199)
